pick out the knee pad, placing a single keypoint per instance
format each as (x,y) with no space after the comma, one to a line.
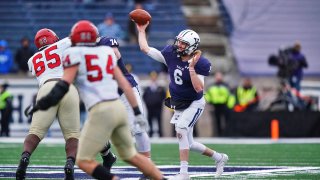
(182,135)
(142,142)
(197,147)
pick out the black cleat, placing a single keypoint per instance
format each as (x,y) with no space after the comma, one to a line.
(69,170)
(109,160)
(22,168)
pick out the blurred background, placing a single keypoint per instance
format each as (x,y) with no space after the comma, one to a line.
(266,70)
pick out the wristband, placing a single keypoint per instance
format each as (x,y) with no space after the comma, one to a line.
(136,110)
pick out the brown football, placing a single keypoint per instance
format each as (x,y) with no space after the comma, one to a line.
(140,16)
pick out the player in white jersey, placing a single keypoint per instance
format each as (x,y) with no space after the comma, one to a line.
(46,65)
(94,70)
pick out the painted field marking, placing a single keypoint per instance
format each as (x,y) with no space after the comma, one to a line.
(130,173)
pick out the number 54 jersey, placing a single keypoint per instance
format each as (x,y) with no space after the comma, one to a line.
(47,63)
(94,79)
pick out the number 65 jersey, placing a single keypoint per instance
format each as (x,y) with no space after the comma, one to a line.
(94,79)
(47,63)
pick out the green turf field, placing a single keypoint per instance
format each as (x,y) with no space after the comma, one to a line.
(298,155)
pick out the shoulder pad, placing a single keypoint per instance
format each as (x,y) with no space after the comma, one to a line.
(203,66)
(108,41)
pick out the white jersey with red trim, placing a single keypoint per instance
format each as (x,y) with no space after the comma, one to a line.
(94,79)
(47,63)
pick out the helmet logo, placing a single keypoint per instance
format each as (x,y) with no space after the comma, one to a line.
(85,36)
(43,41)
(196,40)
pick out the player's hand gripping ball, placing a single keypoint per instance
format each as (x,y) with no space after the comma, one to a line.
(140,16)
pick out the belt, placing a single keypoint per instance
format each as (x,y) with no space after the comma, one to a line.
(53,79)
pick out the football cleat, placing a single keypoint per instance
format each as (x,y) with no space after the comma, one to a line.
(69,170)
(109,160)
(21,170)
(220,165)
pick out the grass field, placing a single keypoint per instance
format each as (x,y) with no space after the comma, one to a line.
(274,156)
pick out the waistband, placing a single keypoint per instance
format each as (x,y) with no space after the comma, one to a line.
(53,79)
(106,100)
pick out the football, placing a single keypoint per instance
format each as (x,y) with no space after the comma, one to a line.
(140,16)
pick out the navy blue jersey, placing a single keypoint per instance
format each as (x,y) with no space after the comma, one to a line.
(180,86)
(112,42)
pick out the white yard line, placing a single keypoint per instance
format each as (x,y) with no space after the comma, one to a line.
(259,171)
(202,140)
(118,169)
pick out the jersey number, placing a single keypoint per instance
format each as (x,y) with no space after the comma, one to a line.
(177,77)
(114,42)
(97,76)
(38,62)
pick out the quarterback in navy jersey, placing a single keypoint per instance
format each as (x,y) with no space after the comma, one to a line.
(140,133)
(181,87)
(187,69)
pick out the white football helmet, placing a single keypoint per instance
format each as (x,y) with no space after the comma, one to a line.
(191,38)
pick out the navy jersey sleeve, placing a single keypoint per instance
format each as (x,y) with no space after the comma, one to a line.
(108,41)
(203,66)
(167,52)
(166,49)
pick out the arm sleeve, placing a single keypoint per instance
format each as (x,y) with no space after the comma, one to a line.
(156,55)
(54,96)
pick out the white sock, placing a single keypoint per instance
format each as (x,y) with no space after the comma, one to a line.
(184,167)
(216,156)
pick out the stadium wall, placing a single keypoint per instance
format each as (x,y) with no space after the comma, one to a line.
(258,124)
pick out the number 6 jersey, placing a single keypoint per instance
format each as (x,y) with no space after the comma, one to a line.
(47,63)
(95,74)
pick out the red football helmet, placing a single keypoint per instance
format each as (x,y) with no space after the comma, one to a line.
(45,37)
(84,33)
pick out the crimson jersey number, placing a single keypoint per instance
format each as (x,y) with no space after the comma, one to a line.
(91,67)
(39,63)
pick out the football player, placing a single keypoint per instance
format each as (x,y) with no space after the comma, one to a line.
(95,71)
(187,69)
(46,65)
(140,134)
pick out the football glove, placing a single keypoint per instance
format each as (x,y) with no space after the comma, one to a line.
(30,110)
(140,121)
